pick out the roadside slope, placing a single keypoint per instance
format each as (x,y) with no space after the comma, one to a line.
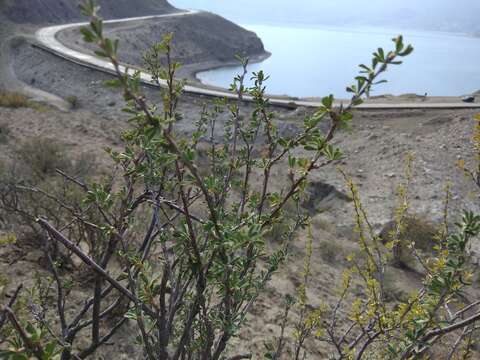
(63,11)
(200,40)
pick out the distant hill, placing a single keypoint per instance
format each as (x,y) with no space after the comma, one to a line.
(62,11)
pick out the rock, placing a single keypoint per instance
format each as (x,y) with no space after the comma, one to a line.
(34,256)
(323,196)
(469,99)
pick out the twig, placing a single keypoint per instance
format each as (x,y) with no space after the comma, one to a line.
(241,357)
(75,181)
(3,315)
(36,349)
(92,264)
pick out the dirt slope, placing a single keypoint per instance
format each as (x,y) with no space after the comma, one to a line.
(374,148)
(62,11)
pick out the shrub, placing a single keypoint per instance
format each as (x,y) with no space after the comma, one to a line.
(330,251)
(191,271)
(73,101)
(30,185)
(416,234)
(43,156)
(13,100)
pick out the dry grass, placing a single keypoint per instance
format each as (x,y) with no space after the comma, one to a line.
(43,156)
(13,100)
(331,251)
(418,233)
(73,101)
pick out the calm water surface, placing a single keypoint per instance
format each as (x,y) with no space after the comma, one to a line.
(321,60)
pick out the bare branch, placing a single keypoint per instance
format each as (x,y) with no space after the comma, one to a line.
(13,299)
(92,264)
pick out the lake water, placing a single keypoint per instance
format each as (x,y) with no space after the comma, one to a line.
(315,61)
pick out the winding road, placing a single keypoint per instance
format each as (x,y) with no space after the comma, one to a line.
(47,40)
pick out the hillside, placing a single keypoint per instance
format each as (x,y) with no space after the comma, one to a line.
(201,40)
(374,149)
(125,201)
(63,11)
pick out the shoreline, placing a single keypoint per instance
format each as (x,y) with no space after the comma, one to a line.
(190,71)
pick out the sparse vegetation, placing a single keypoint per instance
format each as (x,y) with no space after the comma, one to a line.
(13,100)
(43,156)
(73,101)
(29,185)
(416,234)
(176,239)
(331,251)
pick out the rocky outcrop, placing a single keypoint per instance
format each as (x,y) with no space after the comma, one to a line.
(322,196)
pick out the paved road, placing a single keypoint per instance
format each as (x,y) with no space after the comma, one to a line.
(47,39)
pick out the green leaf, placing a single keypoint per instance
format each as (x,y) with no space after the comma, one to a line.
(352,89)
(112,83)
(97,27)
(332,153)
(88,35)
(292,161)
(101,53)
(407,51)
(357,102)
(327,101)
(398,43)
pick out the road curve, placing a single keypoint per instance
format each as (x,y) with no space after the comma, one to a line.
(47,40)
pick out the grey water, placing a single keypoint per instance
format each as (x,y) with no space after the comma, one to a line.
(312,57)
